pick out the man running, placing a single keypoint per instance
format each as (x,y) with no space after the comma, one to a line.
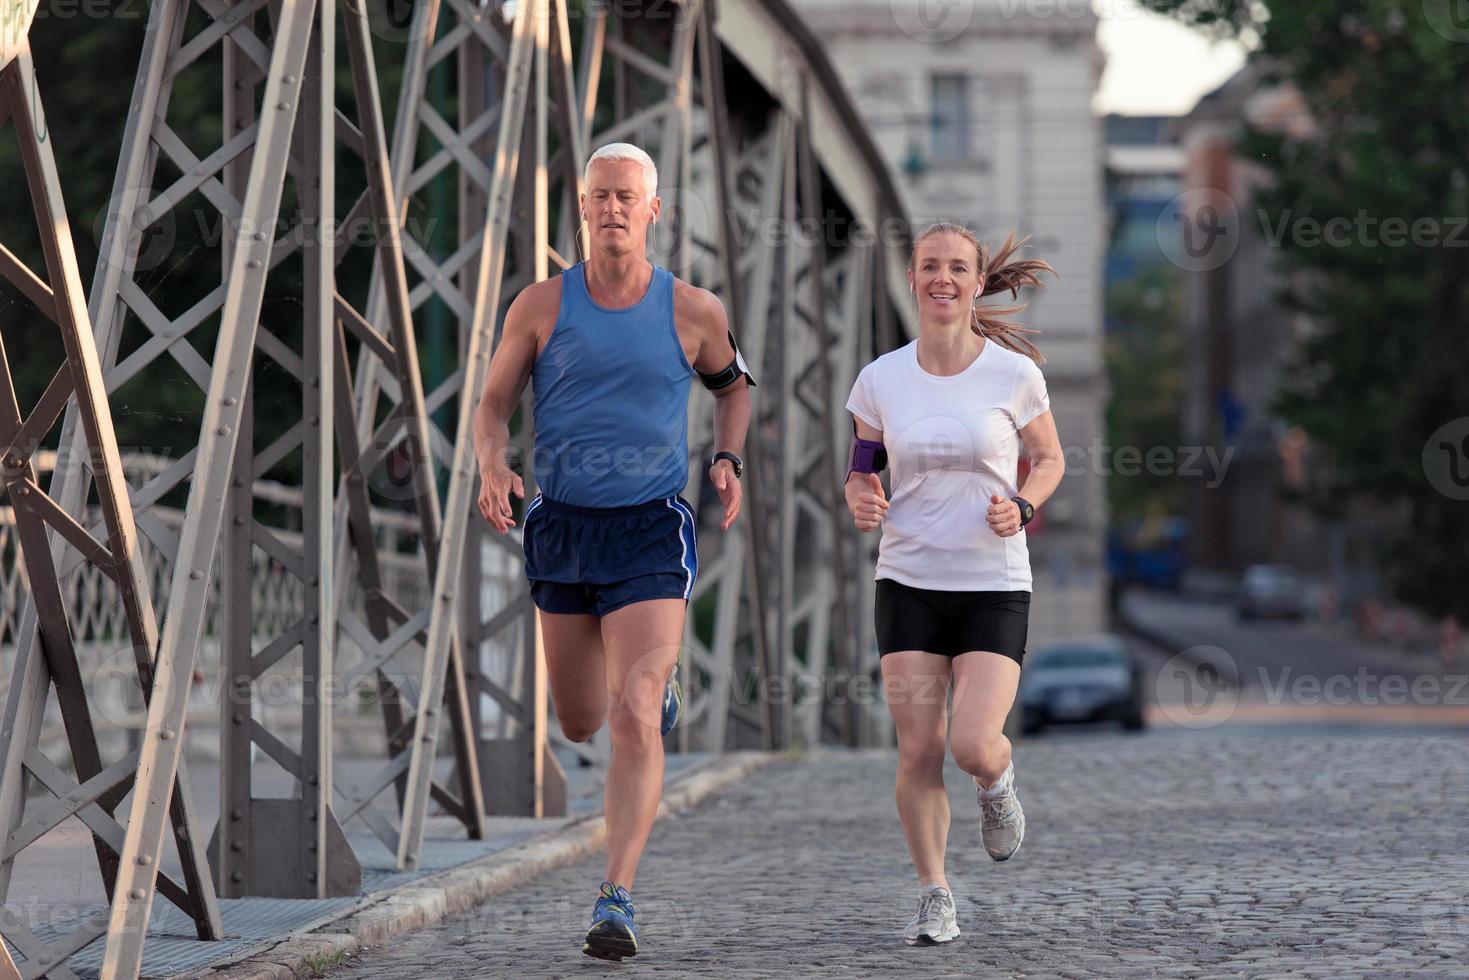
(610,348)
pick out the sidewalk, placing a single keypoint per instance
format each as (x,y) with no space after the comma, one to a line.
(54,889)
(1168,854)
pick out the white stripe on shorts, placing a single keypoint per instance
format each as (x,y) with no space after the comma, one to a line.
(683,519)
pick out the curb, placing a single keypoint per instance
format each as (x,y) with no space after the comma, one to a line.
(1171,646)
(432,899)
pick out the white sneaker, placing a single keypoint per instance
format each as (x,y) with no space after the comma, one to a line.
(1002,822)
(936,920)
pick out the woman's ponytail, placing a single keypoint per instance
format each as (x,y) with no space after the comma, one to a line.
(1003,272)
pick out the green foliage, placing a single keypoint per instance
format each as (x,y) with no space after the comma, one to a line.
(1386,85)
(320,964)
(87,57)
(1143,354)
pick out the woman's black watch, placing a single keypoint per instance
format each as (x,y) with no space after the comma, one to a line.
(1027,510)
(735,461)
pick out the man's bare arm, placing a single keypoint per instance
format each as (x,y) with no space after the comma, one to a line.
(732,406)
(510,369)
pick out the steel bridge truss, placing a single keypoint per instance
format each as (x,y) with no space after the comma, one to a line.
(407,597)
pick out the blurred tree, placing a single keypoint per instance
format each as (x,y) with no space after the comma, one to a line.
(87,57)
(1386,84)
(1144,368)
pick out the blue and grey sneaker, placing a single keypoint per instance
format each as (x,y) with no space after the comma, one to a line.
(612,935)
(672,702)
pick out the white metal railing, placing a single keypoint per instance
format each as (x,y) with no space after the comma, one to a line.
(99,624)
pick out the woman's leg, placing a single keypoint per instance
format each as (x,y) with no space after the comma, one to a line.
(916,685)
(984,689)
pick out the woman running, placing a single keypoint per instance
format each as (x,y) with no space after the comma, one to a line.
(953,576)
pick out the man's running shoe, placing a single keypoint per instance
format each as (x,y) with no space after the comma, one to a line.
(672,702)
(936,920)
(612,935)
(1002,822)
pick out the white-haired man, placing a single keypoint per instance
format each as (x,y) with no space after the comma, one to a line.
(610,348)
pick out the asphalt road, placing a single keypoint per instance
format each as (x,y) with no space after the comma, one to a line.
(1283,662)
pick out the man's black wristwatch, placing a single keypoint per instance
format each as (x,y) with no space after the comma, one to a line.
(739,464)
(1027,510)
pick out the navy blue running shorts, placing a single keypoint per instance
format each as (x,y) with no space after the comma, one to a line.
(598,559)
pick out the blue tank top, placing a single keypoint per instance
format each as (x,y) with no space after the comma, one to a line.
(612,399)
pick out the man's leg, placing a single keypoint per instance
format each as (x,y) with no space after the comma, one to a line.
(641,643)
(574,668)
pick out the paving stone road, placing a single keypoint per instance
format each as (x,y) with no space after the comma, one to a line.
(1239,853)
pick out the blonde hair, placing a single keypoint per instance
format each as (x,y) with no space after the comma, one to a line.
(1002,272)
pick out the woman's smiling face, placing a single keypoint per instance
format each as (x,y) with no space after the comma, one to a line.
(945,275)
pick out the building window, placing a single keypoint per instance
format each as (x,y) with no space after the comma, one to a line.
(949,118)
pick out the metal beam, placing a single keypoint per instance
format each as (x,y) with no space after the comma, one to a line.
(244,289)
(528,35)
(46,617)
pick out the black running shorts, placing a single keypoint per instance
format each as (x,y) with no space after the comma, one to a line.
(951,623)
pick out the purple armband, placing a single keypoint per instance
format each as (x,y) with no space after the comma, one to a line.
(868,456)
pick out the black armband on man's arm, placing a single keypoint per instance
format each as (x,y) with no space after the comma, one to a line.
(731,374)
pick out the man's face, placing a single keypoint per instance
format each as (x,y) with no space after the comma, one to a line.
(617,207)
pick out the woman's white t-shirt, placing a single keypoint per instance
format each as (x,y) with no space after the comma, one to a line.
(951,442)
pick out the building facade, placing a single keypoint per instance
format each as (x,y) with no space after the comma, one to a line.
(1240,337)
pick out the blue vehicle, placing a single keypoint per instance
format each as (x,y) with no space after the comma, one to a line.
(1151,553)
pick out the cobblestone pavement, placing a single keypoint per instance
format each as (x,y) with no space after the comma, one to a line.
(1239,853)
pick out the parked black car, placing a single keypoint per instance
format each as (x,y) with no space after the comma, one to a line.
(1093,678)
